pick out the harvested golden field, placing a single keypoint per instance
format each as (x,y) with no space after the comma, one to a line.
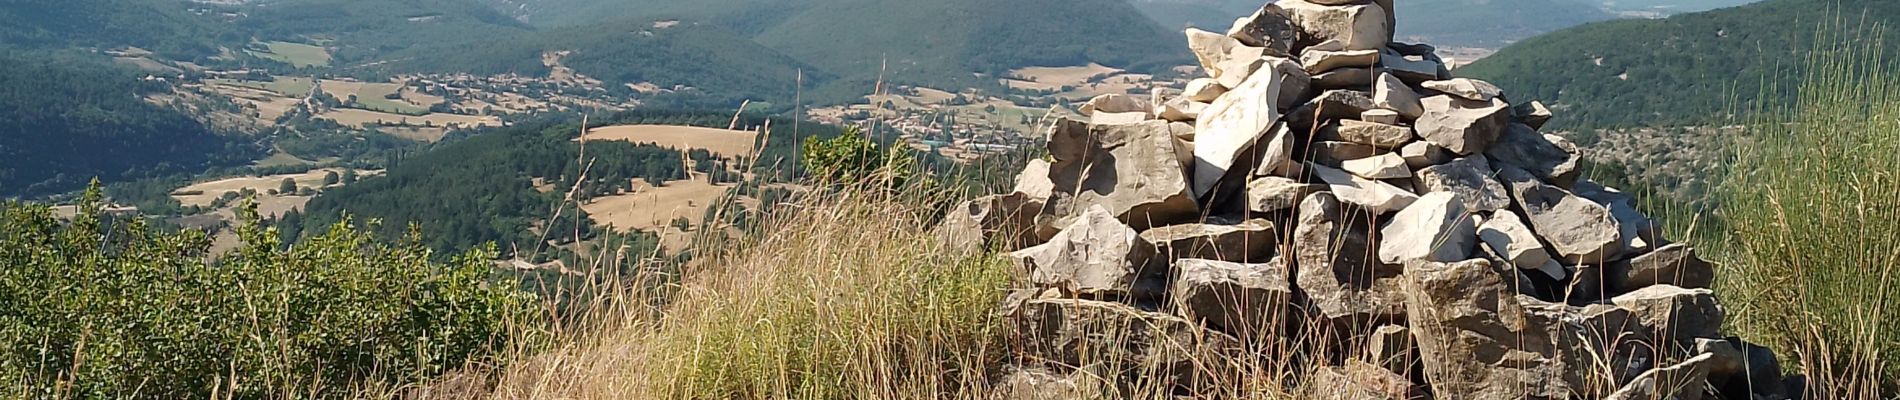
(1051,78)
(652,208)
(728,143)
(356,117)
(420,134)
(203,193)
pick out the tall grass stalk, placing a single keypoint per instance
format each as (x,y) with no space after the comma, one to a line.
(1813,209)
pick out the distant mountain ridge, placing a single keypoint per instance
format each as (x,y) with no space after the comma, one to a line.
(1453,23)
(1687,69)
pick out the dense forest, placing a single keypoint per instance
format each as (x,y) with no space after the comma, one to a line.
(1686,69)
(67,117)
(361,31)
(482,189)
(162,26)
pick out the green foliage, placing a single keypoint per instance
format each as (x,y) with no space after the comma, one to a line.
(1683,70)
(65,118)
(107,307)
(1812,206)
(162,26)
(851,159)
(364,30)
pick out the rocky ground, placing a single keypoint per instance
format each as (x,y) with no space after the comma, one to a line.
(1335,205)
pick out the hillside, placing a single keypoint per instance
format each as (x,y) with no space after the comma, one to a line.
(162,26)
(1453,23)
(1686,69)
(65,118)
(362,30)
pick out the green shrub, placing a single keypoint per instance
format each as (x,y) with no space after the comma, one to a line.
(107,307)
(1813,209)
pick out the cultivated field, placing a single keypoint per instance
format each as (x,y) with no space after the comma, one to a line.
(356,117)
(296,54)
(371,96)
(204,193)
(728,143)
(653,209)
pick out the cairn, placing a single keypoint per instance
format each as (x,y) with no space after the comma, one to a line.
(1330,198)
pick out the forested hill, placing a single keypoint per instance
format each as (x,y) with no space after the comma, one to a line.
(68,117)
(163,26)
(1686,69)
(932,42)
(361,31)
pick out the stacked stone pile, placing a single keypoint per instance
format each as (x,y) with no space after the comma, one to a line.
(1329,197)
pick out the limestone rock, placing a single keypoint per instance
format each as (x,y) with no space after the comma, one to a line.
(1270,27)
(1375,196)
(1383,166)
(1114,103)
(1344,78)
(1272,193)
(1004,222)
(1126,343)
(1739,369)
(1358,380)
(1040,384)
(1463,126)
(1338,267)
(1391,94)
(1122,118)
(1233,123)
(1579,230)
(1391,347)
(1328,106)
(1681,382)
(1507,236)
(1381,116)
(1469,178)
(1246,300)
(1318,61)
(1204,90)
(1533,114)
(1469,89)
(1474,338)
(1335,154)
(1674,312)
(1248,241)
(1639,233)
(1357,26)
(1034,180)
(1275,155)
(1096,256)
(1435,228)
(1131,170)
(1675,265)
(1180,109)
(1423,154)
(1414,69)
(1223,58)
(1383,136)
(1548,156)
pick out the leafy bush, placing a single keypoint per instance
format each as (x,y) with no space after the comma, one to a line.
(106,307)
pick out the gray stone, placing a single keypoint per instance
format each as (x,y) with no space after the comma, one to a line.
(1423,154)
(1357,26)
(1005,222)
(1358,380)
(1675,313)
(1469,89)
(1391,94)
(1124,118)
(1414,69)
(1041,384)
(1269,194)
(1319,61)
(1675,265)
(1682,381)
(1462,126)
(1549,157)
(1127,344)
(1335,154)
(1532,113)
(1224,59)
(1328,106)
(1391,347)
(1375,134)
(1276,154)
(1412,49)
(1248,241)
(1381,116)
(1233,123)
(1435,228)
(1474,338)
(1579,230)
(1469,178)
(1246,300)
(1338,267)
(1344,78)
(1383,166)
(1114,103)
(1204,90)
(1095,256)
(1270,27)
(1034,180)
(1638,232)
(1132,170)
(1180,109)
(1739,369)
(1374,196)
(1507,236)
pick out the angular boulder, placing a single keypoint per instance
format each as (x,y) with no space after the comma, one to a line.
(1096,256)
(1358,380)
(1675,313)
(1270,194)
(1639,233)
(1230,126)
(1509,238)
(1579,230)
(1368,133)
(1251,241)
(1383,166)
(1338,266)
(1381,116)
(1320,61)
(1224,59)
(1435,228)
(1474,338)
(1423,154)
(1683,381)
(1469,178)
(1034,180)
(1533,114)
(1042,384)
(1270,27)
(1246,300)
(1126,343)
(1548,156)
(1467,88)
(1005,222)
(1330,105)
(1131,170)
(1674,265)
(1356,26)
(1372,195)
(1460,125)
(1204,90)
(1390,93)
(1114,103)
(1391,347)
